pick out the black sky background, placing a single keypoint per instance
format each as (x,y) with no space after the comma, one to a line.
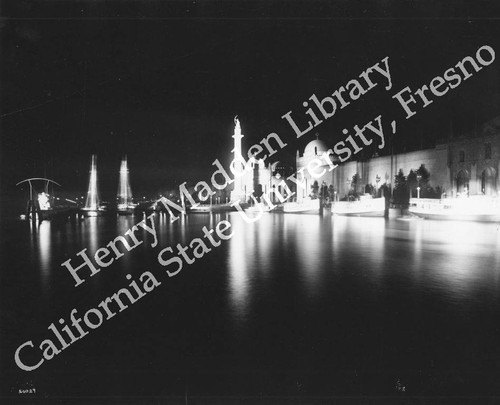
(162,81)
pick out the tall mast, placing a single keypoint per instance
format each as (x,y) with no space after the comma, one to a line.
(124,191)
(92,202)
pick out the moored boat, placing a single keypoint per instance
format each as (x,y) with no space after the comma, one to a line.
(93,212)
(366,207)
(259,207)
(124,209)
(473,208)
(125,205)
(93,206)
(208,208)
(307,206)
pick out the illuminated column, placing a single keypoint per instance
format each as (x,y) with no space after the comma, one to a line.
(238,192)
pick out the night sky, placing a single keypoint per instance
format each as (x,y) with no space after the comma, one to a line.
(162,81)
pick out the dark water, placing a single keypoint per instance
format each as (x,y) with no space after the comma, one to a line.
(292,305)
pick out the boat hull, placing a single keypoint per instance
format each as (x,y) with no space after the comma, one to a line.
(129,211)
(52,214)
(458,217)
(258,208)
(476,208)
(361,214)
(93,213)
(211,208)
(125,209)
(306,207)
(374,207)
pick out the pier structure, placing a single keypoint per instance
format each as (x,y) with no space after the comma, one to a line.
(37,202)
(40,204)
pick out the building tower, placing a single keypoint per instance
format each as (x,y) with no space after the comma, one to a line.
(238,193)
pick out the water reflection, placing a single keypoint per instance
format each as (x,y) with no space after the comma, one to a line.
(455,256)
(365,239)
(311,240)
(123,224)
(263,240)
(89,233)
(164,229)
(44,240)
(429,254)
(313,254)
(239,281)
(295,290)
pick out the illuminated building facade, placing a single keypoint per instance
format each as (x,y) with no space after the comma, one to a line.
(458,165)
(258,178)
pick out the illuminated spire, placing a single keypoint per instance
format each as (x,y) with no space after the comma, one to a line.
(237,127)
(124,191)
(238,192)
(237,138)
(92,202)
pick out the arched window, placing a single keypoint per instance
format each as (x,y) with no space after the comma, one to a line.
(462,156)
(316,150)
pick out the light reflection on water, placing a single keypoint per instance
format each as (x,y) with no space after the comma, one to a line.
(44,235)
(310,242)
(239,263)
(365,237)
(459,259)
(456,257)
(345,292)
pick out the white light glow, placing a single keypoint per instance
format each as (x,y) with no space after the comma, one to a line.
(238,267)
(92,202)
(43,201)
(124,191)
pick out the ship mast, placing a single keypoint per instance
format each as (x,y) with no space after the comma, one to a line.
(92,202)
(124,191)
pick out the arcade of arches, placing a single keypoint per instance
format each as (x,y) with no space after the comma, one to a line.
(486,182)
(465,166)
